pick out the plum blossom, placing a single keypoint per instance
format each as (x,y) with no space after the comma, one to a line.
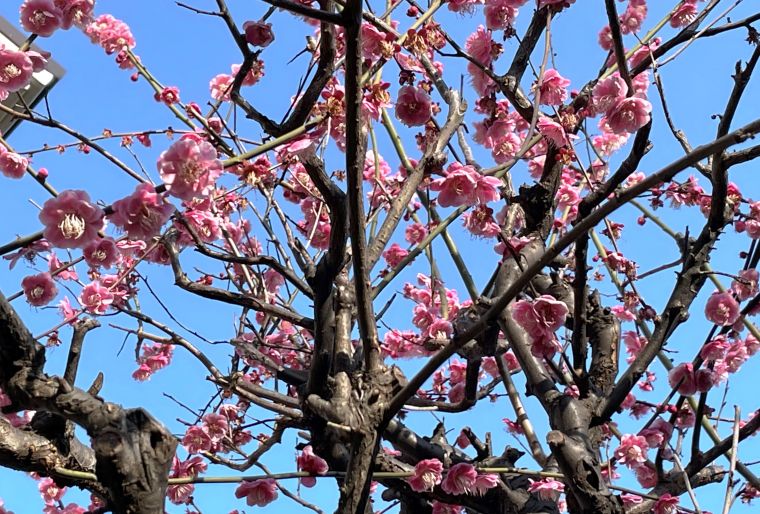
(257,492)
(746,286)
(464,185)
(413,106)
(12,165)
(501,14)
(189,167)
(70,220)
(553,88)
(102,253)
(96,298)
(309,462)
(460,479)
(684,14)
(722,309)
(51,493)
(540,318)
(75,12)
(485,482)
(258,33)
(39,289)
(547,489)
(554,132)
(682,376)
(41,17)
(632,451)
(427,475)
(16,70)
(480,46)
(608,92)
(141,214)
(666,504)
(111,34)
(629,114)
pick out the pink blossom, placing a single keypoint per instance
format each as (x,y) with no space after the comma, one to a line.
(141,214)
(560,3)
(16,70)
(413,106)
(633,17)
(427,475)
(197,439)
(682,376)
(715,349)
(41,17)
(102,253)
(540,318)
(445,508)
(501,14)
(189,168)
(415,233)
(12,165)
(480,222)
(646,475)
(632,451)
(722,309)
(394,255)
(96,298)
(553,132)
(258,33)
(309,462)
(460,479)
(220,87)
(463,6)
(608,92)
(485,482)
(70,220)
(746,286)
(480,46)
(547,489)
(39,289)
(553,88)
(258,492)
(112,34)
(665,504)
(77,12)
(684,14)
(629,115)
(51,493)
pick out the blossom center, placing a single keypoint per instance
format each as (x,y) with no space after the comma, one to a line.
(10,71)
(72,226)
(37,292)
(191,171)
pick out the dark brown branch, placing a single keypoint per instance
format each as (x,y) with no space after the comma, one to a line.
(617,43)
(81,328)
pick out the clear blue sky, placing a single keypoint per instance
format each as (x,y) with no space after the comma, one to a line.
(186,50)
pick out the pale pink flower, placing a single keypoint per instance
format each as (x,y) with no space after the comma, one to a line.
(657,433)
(715,349)
(682,376)
(629,115)
(258,492)
(427,475)
(41,17)
(457,187)
(413,106)
(547,489)
(96,298)
(460,479)
(632,451)
(445,508)
(258,33)
(666,504)
(39,289)
(633,17)
(189,168)
(722,309)
(16,70)
(553,88)
(197,439)
(463,6)
(684,14)
(540,318)
(12,165)
(141,214)
(309,462)
(70,220)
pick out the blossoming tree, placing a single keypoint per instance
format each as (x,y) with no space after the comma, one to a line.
(434,225)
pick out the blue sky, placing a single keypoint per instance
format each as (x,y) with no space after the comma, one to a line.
(186,50)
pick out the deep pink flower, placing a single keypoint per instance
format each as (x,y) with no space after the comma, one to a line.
(554,132)
(258,33)
(485,482)
(197,439)
(540,318)
(258,492)
(12,165)
(722,309)
(633,17)
(553,88)
(16,70)
(460,479)
(141,214)
(189,168)
(445,508)
(427,475)
(608,92)
(96,298)
(547,489)
(41,17)
(682,376)
(629,114)
(75,12)
(309,462)
(413,106)
(168,95)
(684,14)
(394,255)
(746,287)
(39,289)
(112,34)
(501,14)
(715,349)
(480,46)
(102,253)
(70,220)
(632,451)
(665,504)
(51,493)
